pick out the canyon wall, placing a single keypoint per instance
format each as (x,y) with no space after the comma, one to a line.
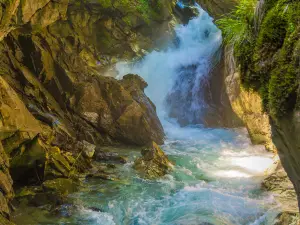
(57,106)
(263,87)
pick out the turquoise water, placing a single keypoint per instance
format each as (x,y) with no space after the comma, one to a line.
(216,180)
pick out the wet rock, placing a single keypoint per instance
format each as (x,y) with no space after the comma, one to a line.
(103,175)
(61,186)
(153,163)
(186,11)
(124,112)
(282,188)
(5,221)
(247,105)
(287,218)
(95,209)
(110,157)
(88,149)
(218,8)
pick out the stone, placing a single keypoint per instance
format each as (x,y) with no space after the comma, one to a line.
(110,157)
(88,149)
(287,218)
(247,105)
(14,115)
(28,162)
(124,111)
(282,188)
(61,186)
(153,163)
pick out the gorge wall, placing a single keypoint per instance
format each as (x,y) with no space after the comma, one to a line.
(264,84)
(56,107)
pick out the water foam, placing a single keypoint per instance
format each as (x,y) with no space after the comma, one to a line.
(166,71)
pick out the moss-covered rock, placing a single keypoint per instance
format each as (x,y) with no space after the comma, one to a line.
(61,186)
(153,163)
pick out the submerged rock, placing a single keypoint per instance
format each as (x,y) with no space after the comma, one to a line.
(153,163)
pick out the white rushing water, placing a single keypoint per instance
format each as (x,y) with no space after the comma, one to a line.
(179,70)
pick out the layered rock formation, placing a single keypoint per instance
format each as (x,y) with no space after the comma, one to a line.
(56,105)
(247,104)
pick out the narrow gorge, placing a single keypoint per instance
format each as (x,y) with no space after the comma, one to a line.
(149,112)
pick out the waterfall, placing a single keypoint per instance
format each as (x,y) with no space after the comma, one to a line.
(176,76)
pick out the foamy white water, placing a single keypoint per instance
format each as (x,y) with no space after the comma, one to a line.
(166,71)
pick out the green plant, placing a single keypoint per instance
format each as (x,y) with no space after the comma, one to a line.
(237,27)
(268,55)
(238,31)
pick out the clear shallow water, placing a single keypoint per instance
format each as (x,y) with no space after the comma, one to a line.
(218,172)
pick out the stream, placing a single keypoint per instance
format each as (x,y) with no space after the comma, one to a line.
(218,172)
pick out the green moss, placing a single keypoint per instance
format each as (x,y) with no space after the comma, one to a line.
(268,60)
(282,90)
(272,32)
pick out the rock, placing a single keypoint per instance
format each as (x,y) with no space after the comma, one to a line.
(15,119)
(110,157)
(282,188)
(104,176)
(287,218)
(186,11)
(88,149)
(6,187)
(5,221)
(153,163)
(218,8)
(61,186)
(285,135)
(124,111)
(247,105)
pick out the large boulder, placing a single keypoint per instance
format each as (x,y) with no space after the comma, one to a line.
(153,163)
(119,108)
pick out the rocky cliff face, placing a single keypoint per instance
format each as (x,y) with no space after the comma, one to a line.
(265,91)
(56,107)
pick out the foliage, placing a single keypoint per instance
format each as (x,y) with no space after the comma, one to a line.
(267,56)
(237,27)
(238,30)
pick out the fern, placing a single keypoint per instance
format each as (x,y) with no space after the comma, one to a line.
(238,26)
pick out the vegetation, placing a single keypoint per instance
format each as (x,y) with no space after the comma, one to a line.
(268,55)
